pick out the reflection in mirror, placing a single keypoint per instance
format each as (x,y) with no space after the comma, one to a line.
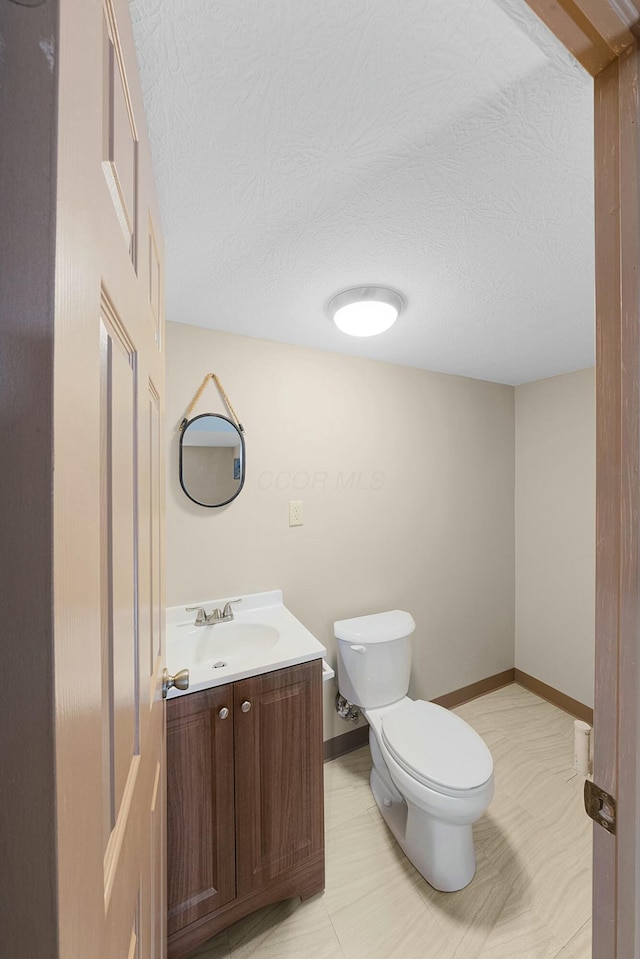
(212,460)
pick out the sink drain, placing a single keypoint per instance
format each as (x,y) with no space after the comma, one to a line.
(219,664)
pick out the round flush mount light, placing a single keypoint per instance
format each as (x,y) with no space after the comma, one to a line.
(365,310)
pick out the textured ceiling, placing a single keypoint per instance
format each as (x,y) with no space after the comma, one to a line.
(441,147)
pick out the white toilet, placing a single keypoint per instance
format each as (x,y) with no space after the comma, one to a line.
(432,775)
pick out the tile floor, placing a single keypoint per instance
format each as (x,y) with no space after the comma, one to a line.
(530,898)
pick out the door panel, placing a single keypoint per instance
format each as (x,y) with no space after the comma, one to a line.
(118,510)
(279,801)
(151,618)
(156,918)
(201,826)
(156,628)
(108,502)
(119,133)
(155,282)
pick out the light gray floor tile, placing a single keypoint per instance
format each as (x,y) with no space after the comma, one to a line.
(217,948)
(362,858)
(391,922)
(286,930)
(579,947)
(346,788)
(519,934)
(466,918)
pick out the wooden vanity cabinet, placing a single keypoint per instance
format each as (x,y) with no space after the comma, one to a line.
(245,800)
(201,875)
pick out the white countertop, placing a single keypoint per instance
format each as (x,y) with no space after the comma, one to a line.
(264,636)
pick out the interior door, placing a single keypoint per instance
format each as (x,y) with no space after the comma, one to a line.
(108,498)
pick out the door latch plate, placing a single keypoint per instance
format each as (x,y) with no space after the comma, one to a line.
(600,806)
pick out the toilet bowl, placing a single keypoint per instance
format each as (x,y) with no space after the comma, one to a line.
(432,774)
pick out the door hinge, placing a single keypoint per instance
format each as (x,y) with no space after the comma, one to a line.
(600,806)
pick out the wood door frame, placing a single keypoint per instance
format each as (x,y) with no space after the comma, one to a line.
(603,36)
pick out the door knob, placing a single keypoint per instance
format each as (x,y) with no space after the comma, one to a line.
(223,713)
(246,706)
(180,681)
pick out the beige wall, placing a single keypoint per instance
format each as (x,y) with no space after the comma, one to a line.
(407,482)
(555,532)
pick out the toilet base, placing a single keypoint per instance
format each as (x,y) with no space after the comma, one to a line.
(441,852)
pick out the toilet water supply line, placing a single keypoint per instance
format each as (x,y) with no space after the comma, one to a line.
(582,748)
(347,710)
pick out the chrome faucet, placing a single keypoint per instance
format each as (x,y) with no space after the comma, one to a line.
(215,616)
(227,612)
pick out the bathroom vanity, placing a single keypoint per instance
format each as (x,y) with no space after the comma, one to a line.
(244,758)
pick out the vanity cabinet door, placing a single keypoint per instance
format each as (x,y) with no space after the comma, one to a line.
(200,819)
(279,798)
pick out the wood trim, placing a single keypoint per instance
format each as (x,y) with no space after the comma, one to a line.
(346,743)
(596,32)
(616,929)
(608,457)
(628,883)
(483,686)
(613,21)
(554,696)
(28,887)
(499,680)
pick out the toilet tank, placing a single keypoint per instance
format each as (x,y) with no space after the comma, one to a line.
(374,657)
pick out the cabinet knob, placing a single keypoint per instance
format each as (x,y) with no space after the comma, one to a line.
(246,706)
(224,712)
(180,681)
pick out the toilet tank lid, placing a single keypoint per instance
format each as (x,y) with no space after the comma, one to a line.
(376,628)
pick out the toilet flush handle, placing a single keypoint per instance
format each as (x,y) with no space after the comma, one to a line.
(358,649)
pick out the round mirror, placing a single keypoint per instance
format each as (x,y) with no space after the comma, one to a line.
(211,460)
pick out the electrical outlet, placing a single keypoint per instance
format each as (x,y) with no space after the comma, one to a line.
(295,512)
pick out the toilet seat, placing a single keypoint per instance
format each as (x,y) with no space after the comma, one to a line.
(436,747)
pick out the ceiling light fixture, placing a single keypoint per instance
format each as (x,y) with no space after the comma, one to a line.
(365,310)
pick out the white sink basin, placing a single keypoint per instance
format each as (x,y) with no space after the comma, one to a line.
(228,642)
(263,636)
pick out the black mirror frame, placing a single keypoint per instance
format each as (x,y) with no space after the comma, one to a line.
(186,492)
